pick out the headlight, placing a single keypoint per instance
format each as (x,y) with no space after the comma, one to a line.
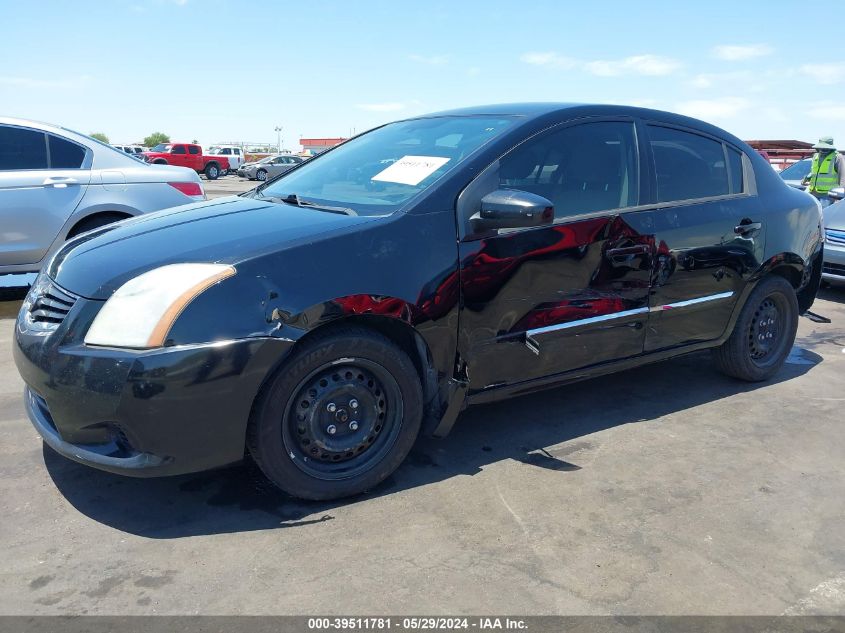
(142,311)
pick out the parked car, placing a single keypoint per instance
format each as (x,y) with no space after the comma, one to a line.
(234,155)
(56,184)
(130,149)
(834,248)
(323,325)
(270,167)
(188,155)
(794,174)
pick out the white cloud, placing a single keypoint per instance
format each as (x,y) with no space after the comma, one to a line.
(650,65)
(722,108)
(550,59)
(431,60)
(828,111)
(381,107)
(826,74)
(740,52)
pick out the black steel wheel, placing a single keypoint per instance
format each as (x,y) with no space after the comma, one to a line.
(764,332)
(343,418)
(339,417)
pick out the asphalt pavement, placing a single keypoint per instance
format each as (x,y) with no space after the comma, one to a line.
(669,489)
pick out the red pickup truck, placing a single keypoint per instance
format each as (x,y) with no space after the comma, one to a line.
(188,155)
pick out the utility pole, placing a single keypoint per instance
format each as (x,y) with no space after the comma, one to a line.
(278,130)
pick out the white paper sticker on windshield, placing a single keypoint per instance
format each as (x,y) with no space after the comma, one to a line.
(411,170)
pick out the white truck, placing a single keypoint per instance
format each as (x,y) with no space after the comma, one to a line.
(234,153)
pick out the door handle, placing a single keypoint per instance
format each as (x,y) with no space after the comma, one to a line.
(639,249)
(59,182)
(744,228)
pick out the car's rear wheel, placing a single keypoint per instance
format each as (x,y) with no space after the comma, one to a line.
(212,171)
(339,417)
(261,175)
(764,332)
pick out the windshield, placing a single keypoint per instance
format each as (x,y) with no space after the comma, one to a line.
(797,171)
(266,159)
(162,147)
(214,150)
(378,172)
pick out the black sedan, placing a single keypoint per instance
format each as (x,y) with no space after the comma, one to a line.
(324,321)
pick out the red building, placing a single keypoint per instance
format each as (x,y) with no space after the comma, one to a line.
(317,145)
(782,153)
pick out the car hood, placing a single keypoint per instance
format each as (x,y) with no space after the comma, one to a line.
(834,216)
(227,230)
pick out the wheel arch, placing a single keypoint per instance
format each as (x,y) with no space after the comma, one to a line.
(398,331)
(803,276)
(115,214)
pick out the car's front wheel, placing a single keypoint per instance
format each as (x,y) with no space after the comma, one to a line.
(339,417)
(261,175)
(764,332)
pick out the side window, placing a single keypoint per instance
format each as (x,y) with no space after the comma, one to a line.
(193,149)
(581,169)
(688,166)
(226,152)
(237,151)
(735,170)
(22,149)
(178,149)
(64,154)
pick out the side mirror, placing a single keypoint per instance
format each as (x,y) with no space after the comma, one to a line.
(511,208)
(837,193)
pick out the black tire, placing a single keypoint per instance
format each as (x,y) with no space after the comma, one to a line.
(212,171)
(345,376)
(261,175)
(95,222)
(764,332)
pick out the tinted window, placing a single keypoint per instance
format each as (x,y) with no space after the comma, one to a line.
(22,149)
(735,168)
(178,149)
(585,168)
(64,154)
(193,149)
(226,152)
(237,151)
(688,165)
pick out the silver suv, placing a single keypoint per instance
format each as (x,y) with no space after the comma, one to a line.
(56,184)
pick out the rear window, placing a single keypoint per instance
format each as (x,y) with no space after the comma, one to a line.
(22,149)
(688,166)
(64,154)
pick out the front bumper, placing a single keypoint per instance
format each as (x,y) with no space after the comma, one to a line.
(143,413)
(834,262)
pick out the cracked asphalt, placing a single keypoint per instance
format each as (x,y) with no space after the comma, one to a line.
(668,489)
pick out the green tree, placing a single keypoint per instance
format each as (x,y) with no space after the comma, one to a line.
(155,138)
(100,136)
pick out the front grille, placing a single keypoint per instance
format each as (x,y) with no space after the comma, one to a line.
(835,237)
(48,304)
(833,269)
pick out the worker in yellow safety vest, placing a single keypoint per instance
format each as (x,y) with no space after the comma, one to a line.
(827,171)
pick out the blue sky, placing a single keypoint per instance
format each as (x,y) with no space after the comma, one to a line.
(225,71)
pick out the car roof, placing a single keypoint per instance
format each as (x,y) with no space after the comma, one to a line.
(530,111)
